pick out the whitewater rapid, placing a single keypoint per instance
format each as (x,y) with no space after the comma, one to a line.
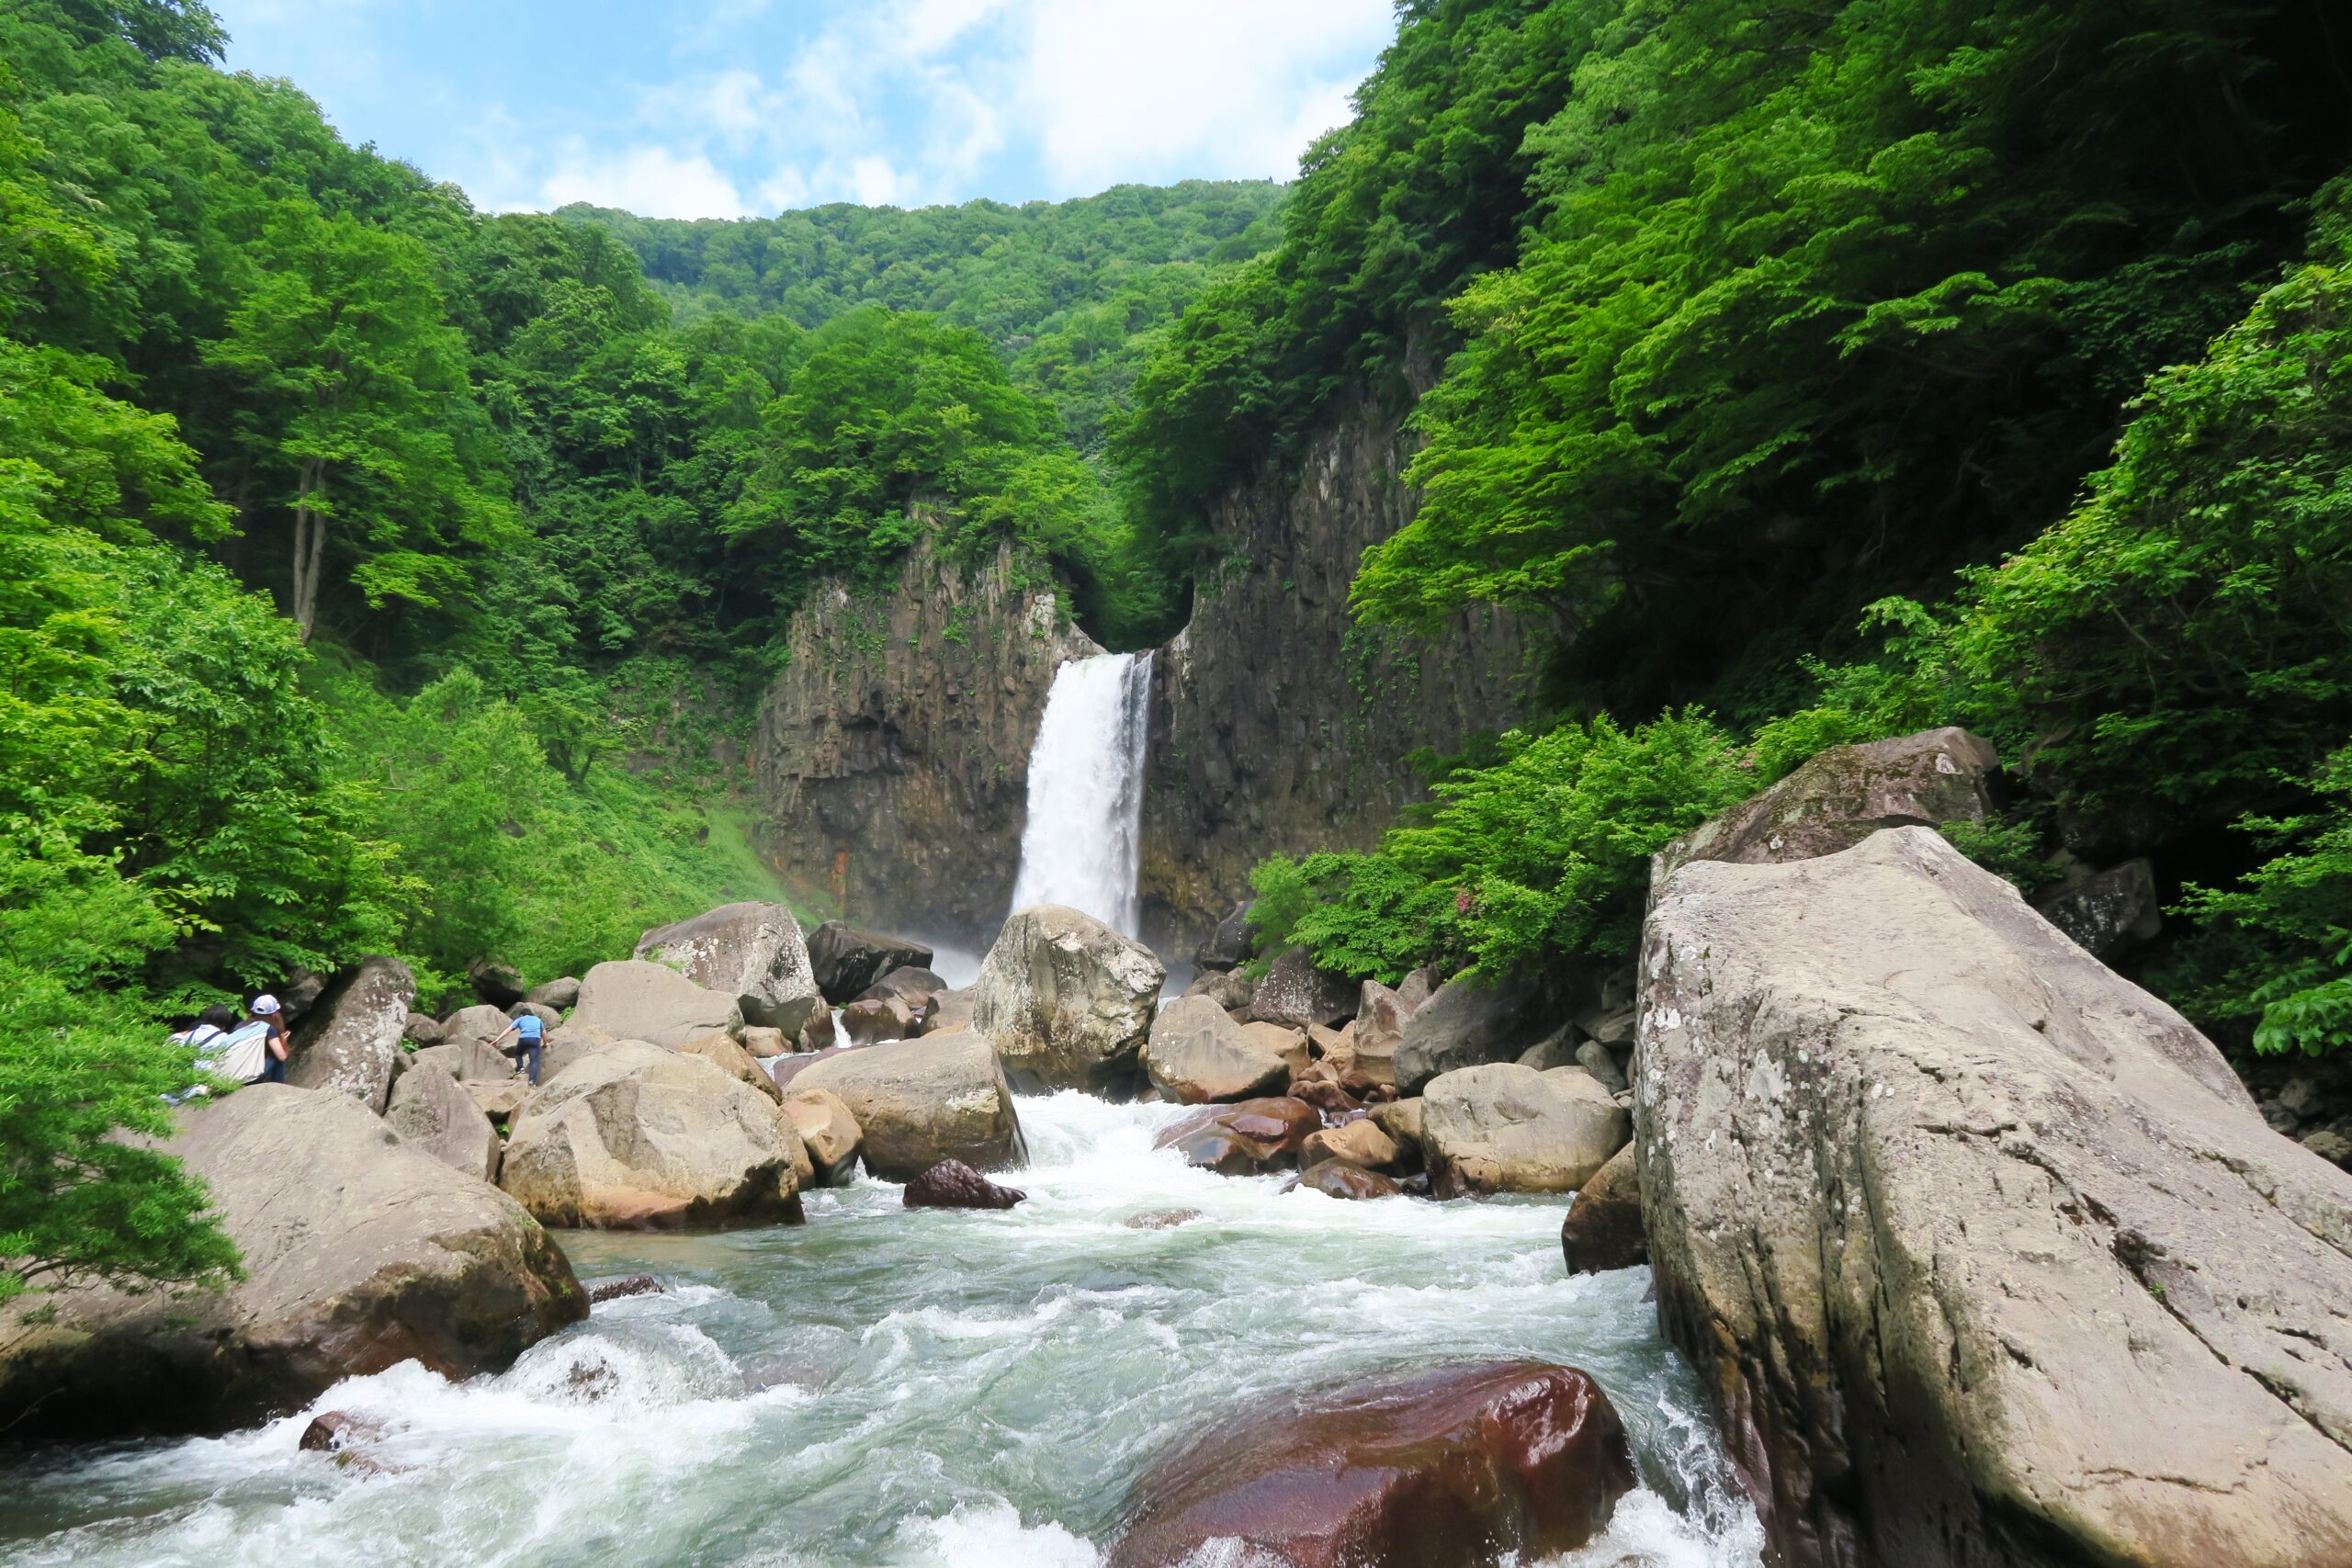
(886,1387)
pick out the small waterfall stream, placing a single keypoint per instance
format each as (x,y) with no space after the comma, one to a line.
(1078,844)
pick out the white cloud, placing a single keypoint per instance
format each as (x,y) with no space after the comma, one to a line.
(653,182)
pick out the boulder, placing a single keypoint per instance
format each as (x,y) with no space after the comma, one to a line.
(626,1286)
(547,1016)
(300,992)
(912,986)
(498,1101)
(349,1041)
(567,1044)
(1603,1227)
(1230,944)
(1602,1062)
(1228,988)
(1470,1020)
(2108,912)
(561,995)
(1067,1001)
(921,1102)
(431,1109)
(828,1130)
(1454,1467)
(1401,1120)
(632,1000)
(723,1051)
(1337,1179)
(951,1011)
(636,1136)
(1296,993)
(1504,1128)
(1557,1049)
(1418,987)
(360,1251)
(764,1043)
(1282,1041)
(1844,796)
(495,983)
(1196,1055)
(1379,1030)
(1360,1142)
(1984,1254)
(465,1050)
(845,959)
(421,1029)
(1326,1096)
(752,951)
(818,1033)
(782,1070)
(1246,1139)
(877,1018)
(952,1184)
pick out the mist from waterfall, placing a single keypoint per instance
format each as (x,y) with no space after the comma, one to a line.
(1079,846)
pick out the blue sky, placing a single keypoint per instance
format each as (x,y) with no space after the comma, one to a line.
(720,108)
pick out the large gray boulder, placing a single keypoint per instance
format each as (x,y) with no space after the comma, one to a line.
(1505,1128)
(360,1251)
(917,1102)
(1470,1020)
(1844,796)
(350,1040)
(1067,1000)
(753,951)
(432,1111)
(638,1136)
(1196,1055)
(633,999)
(1381,1016)
(846,959)
(1984,1253)
(1299,994)
(466,1050)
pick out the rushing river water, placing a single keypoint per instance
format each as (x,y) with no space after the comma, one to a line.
(910,1387)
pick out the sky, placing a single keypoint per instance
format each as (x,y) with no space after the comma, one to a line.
(726,109)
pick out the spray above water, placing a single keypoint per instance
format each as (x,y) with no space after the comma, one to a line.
(1078,845)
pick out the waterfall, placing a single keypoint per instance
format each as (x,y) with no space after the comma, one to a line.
(1079,844)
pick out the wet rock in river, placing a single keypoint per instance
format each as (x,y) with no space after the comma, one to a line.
(1603,1227)
(627,1285)
(1337,1179)
(1246,1139)
(952,1184)
(921,1102)
(1067,1001)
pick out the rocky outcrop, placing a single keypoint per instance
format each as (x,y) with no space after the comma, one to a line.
(952,1184)
(1067,1001)
(1469,1022)
(631,1000)
(361,1252)
(1984,1254)
(1451,1468)
(350,1040)
(431,1109)
(1504,1128)
(1196,1055)
(921,1102)
(753,951)
(892,752)
(636,1136)
(1603,1227)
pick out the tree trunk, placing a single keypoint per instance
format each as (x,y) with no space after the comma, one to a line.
(309,547)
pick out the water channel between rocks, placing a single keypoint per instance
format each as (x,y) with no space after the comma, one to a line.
(886,1387)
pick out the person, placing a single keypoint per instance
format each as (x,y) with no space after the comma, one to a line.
(530,1034)
(210,1036)
(277,1044)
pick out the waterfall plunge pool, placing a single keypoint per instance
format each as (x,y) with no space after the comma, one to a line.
(887,1386)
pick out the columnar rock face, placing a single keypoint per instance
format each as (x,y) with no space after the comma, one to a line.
(1984,1254)
(360,1251)
(636,1136)
(753,951)
(632,1000)
(921,1102)
(1067,1000)
(350,1040)
(893,751)
(1277,721)
(431,1109)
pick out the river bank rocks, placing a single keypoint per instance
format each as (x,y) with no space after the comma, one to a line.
(1468,1022)
(632,1000)
(846,959)
(1603,1227)
(1296,993)
(349,1041)
(1246,1139)
(634,1137)
(1983,1255)
(1067,1001)
(1505,1128)
(918,1103)
(1196,1055)
(1451,1468)
(952,1184)
(360,1251)
(432,1111)
(753,951)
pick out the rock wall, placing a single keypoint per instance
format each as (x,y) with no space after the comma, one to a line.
(891,757)
(1277,723)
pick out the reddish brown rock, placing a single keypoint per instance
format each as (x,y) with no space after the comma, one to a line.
(952,1184)
(337,1430)
(1245,1139)
(1325,1095)
(872,1019)
(1448,1469)
(1338,1178)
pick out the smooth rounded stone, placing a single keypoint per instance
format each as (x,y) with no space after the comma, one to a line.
(752,951)
(1360,1142)
(1557,1049)
(497,984)
(1196,1055)
(360,1251)
(638,1136)
(632,1000)
(1067,1001)
(1470,1022)
(565,1045)
(1971,1242)
(1246,1139)
(724,1053)
(1602,1062)
(1338,1178)
(952,1184)
(1296,993)
(336,1430)
(561,995)
(1401,1120)
(2107,912)
(1282,1041)
(827,1131)
(431,1109)
(921,1102)
(1844,796)
(764,1042)
(1326,1096)
(547,1016)
(1603,1227)
(913,985)
(1455,1467)
(465,1037)
(1378,1029)
(1228,988)
(845,959)
(627,1285)
(877,1018)
(423,1029)
(1230,944)
(1504,1128)
(349,1041)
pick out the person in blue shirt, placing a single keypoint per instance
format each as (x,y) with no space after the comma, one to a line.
(530,1034)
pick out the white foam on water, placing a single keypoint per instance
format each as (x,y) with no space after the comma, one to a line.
(1078,841)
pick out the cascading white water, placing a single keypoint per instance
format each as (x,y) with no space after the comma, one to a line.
(1078,845)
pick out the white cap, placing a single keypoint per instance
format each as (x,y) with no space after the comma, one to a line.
(264,1005)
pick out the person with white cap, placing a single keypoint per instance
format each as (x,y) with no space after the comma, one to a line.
(278,1044)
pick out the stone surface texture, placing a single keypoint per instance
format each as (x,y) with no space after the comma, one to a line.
(1505,1128)
(349,1040)
(1197,1055)
(432,1111)
(632,1000)
(1067,1001)
(753,951)
(921,1102)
